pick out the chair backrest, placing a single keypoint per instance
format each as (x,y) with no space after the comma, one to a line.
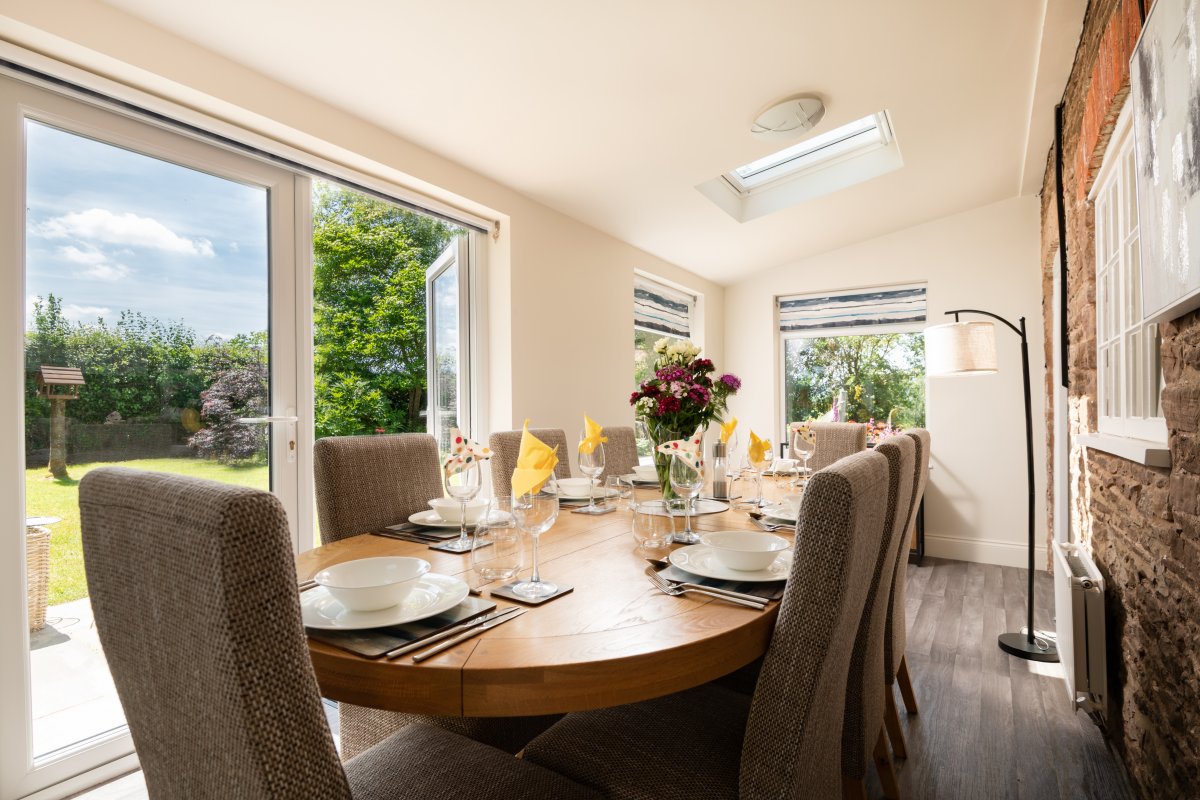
(364,483)
(835,441)
(193,587)
(897,636)
(865,684)
(506,445)
(794,731)
(620,452)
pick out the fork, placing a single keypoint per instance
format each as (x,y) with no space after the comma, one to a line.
(654,570)
(769,527)
(675,591)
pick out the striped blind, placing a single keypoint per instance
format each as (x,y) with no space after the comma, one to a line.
(661,309)
(877,309)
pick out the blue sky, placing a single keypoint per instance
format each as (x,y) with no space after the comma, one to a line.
(110,230)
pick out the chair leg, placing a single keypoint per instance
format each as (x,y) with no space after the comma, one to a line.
(883,765)
(906,689)
(891,720)
(854,789)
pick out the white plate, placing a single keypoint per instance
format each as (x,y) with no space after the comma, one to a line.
(699,559)
(430,519)
(432,595)
(601,492)
(780,512)
(699,509)
(636,481)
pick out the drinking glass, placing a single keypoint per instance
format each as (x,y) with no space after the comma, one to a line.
(653,526)
(805,449)
(759,468)
(687,481)
(535,514)
(497,548)
(617,488)
(463,487)
(592,465)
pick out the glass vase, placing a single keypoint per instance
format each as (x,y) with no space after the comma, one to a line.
(660,434)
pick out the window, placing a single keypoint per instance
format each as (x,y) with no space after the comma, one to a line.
(659,312)
(1128,370)
(861,351)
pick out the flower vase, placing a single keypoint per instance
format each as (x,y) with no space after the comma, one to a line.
(660,434)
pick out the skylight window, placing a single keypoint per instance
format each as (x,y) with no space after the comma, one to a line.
(851,139)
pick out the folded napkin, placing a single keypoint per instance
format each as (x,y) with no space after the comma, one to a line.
(689,451)
(759,448)
(535,464)
(592,435)
(463,453)
(804,430)
(727,429)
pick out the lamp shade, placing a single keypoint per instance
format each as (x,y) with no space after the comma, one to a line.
(960,348)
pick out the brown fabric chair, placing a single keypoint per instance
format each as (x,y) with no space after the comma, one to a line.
(783,742)
(620,452)
(863,737)
(365,483)
(836,440)
(193,587)
(506,445)
(897,637)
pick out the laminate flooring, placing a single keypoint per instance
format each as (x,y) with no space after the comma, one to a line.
(991,725)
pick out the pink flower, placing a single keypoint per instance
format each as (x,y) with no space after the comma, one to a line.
(732,381)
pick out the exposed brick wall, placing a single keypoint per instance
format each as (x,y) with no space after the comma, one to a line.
(1142,524)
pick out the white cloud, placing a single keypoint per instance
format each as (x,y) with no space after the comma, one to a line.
(73,311)
(106,272)
(101,225)
(97,264)
(77,256)
(233,247)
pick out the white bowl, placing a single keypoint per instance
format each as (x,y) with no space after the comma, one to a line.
(450,509)
(644,472)
(744,550)
(793,501)
(578,487)
(370,584)
(785,465)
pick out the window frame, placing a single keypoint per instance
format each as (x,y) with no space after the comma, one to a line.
(1125,383)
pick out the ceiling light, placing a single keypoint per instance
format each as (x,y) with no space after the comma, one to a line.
(788,118)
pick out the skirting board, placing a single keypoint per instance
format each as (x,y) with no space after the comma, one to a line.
(983,551)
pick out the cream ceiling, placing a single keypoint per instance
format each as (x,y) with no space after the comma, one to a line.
(612,112)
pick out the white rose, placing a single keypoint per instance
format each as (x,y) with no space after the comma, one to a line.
(660,346)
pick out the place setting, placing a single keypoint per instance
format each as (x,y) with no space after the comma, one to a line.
(738,566)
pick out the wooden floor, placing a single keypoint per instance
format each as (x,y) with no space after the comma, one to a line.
(990,725)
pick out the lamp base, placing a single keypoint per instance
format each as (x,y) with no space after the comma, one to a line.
(1017,644)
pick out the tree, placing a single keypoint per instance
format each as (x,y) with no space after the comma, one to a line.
(238,392)
(369,263)
(883,376)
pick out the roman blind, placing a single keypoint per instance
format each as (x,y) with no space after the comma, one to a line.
(893,307)
(661,309)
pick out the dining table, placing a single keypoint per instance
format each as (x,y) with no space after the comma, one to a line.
(613,639)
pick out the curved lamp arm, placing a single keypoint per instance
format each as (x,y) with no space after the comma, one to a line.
(1019,331)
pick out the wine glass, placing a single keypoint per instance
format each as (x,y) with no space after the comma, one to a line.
(760,466)
(592,465)
(535,514)
(462,486)
(687,481)
(806,449)
(733,463)
(497,549)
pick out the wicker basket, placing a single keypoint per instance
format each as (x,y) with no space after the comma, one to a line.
(37,571)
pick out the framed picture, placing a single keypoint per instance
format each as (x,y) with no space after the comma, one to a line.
(1164,78)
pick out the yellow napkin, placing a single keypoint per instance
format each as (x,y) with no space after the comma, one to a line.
(535,464)
(758,448)
(686,450)
(591,435)
(727,429)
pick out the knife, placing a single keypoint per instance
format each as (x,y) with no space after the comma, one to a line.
(473,631)
(459,628)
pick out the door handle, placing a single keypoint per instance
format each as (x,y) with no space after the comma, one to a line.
(291,421)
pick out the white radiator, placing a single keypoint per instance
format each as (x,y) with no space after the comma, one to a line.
(1079,607)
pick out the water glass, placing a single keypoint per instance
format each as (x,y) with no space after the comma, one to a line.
(653,526)
(497,546)
(619,490)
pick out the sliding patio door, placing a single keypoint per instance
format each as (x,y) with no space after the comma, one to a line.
(161,273)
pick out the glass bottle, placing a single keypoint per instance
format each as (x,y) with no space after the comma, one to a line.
(720,486)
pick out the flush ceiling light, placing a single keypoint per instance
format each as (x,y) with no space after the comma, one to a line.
(788,118)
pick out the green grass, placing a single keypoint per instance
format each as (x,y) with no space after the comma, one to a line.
(47,497)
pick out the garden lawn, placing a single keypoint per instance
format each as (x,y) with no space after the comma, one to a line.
(48,497)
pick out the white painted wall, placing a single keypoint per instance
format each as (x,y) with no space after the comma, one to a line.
(987,258)
(558,326)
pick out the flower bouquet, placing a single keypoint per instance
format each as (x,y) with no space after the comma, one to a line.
(681,397)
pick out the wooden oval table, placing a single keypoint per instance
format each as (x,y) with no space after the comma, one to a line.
(615,639)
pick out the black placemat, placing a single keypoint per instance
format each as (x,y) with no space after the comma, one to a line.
(768,590)
(374,642)
(507,593)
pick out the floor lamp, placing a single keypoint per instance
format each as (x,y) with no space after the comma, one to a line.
(969,348)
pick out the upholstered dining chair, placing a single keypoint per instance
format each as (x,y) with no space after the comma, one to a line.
(193,588)
(506,445)
(897,637)
(364,483)
(620,453)
(836,440)
(863,732)
(715,743)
